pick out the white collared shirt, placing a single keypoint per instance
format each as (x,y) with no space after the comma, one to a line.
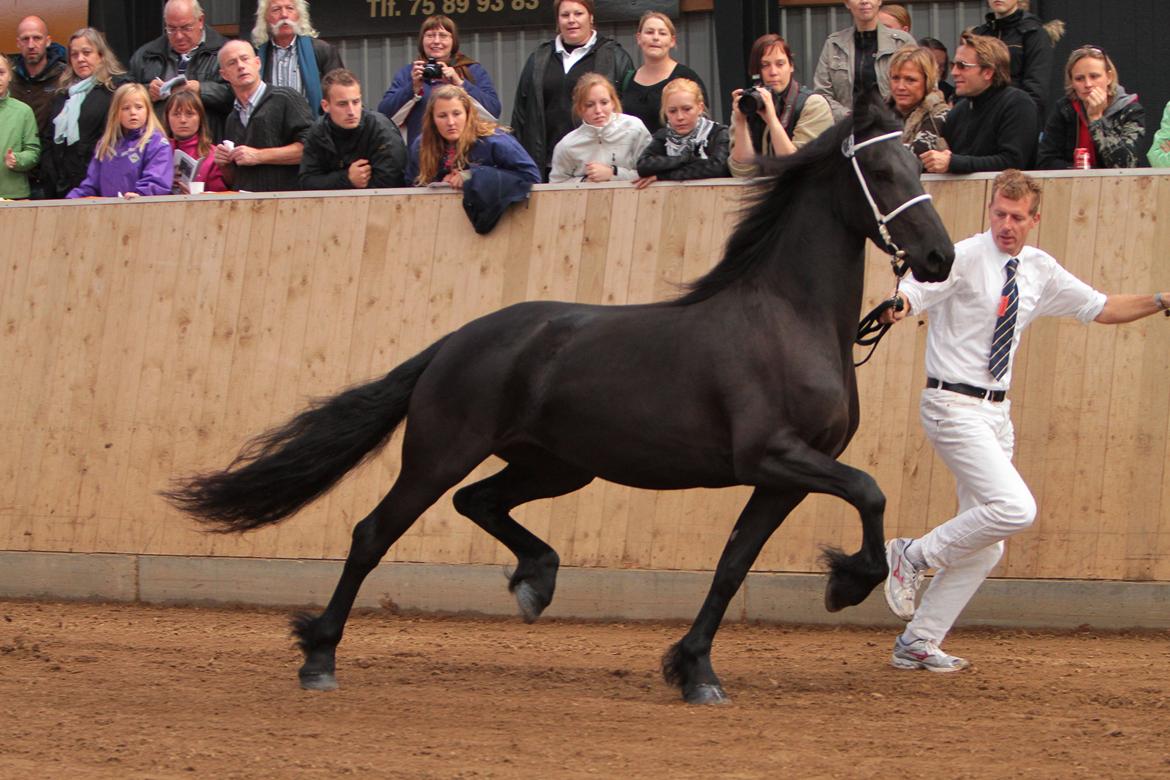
(571,58)
(963,308)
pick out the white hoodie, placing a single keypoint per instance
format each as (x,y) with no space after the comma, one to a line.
(618,142)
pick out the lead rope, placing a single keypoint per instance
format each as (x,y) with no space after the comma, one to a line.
(870,326)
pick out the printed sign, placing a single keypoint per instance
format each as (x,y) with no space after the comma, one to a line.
(351,18)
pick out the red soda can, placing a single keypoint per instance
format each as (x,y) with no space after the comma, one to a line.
(1081,158)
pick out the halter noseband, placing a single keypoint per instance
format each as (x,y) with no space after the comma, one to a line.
(850,149)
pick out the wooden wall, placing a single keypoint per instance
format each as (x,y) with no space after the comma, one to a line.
(148,339)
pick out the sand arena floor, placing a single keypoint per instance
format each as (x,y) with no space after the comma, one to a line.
(128,690)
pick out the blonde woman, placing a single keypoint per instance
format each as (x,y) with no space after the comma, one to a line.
(134,156)
(79,111)
(915,95)
(455,141)
(607,144)
(1096,114)
(691,146)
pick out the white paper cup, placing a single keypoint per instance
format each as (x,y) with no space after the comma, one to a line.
(196,187)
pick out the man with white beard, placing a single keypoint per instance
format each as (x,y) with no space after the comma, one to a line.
(291,54)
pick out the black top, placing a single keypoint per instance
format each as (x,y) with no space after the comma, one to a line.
(280,118)
(645,102)
(994,130)
(330,150)
(865,45)
(63,166)
(1031,51)
(558,96)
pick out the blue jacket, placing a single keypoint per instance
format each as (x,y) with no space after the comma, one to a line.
(401,91)
(500,150)
(147,171)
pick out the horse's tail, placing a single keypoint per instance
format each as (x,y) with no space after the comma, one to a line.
(281,471)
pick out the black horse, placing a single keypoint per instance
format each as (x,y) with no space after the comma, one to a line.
(746,379)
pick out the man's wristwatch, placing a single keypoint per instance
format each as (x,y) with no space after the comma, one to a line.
(1162,304)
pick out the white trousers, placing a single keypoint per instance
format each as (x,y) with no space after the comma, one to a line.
(975,439)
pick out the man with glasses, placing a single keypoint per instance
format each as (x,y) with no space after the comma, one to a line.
(291,54)
(993,126)
(189,49)
(1030,43)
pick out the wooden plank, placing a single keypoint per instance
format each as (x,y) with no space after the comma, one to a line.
(173,330)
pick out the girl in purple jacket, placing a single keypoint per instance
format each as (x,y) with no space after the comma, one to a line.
(134,156)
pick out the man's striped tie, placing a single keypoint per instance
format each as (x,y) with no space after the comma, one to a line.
(1005,325)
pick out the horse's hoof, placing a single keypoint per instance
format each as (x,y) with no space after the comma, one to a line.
(529,601)
(831,602)
(318,682)
(707,694)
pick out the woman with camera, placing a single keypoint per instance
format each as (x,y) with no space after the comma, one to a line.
(440,62)
(775,115)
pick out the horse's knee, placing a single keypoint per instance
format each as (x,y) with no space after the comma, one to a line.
(866,496)
(468,500)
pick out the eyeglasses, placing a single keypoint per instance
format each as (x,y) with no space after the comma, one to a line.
(1094,51)
(964,65)
(186,29)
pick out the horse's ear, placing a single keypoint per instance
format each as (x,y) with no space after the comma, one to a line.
(867,109)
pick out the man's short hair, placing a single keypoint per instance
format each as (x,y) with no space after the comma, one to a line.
(1014,184)
(990,53)
(338,77)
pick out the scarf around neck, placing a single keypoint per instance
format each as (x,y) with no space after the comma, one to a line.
(693,143)
(65,124)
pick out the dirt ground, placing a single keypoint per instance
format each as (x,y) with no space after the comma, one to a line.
(129,690)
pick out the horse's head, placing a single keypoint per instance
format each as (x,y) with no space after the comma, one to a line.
(895,212)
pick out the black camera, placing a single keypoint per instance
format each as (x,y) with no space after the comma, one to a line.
(750,102)
(433,70)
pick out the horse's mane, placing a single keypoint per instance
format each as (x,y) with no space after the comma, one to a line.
(766,215)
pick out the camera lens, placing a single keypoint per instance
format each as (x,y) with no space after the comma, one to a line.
(749,103)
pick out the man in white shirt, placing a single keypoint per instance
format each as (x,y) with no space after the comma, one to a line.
(997,286)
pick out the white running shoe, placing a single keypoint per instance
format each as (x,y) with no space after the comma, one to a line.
(924,654)
(903,581)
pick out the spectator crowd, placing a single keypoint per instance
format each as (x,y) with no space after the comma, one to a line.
(196,112)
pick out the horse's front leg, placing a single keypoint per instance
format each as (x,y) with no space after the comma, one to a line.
(851,577)
(687,665)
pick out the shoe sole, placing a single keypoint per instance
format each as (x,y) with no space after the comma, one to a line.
(891,602)
(901,663)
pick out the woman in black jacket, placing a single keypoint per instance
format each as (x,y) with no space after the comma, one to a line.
(1096,114)
(79,111)
(690,146)
(543,111)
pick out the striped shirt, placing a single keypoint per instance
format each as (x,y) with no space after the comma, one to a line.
(286,70)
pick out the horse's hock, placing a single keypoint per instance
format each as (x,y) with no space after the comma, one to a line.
(148,339)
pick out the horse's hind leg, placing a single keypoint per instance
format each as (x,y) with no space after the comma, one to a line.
(687,664)
(413,492)
(488,502)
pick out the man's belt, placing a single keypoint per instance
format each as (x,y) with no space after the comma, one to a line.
(975,392)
